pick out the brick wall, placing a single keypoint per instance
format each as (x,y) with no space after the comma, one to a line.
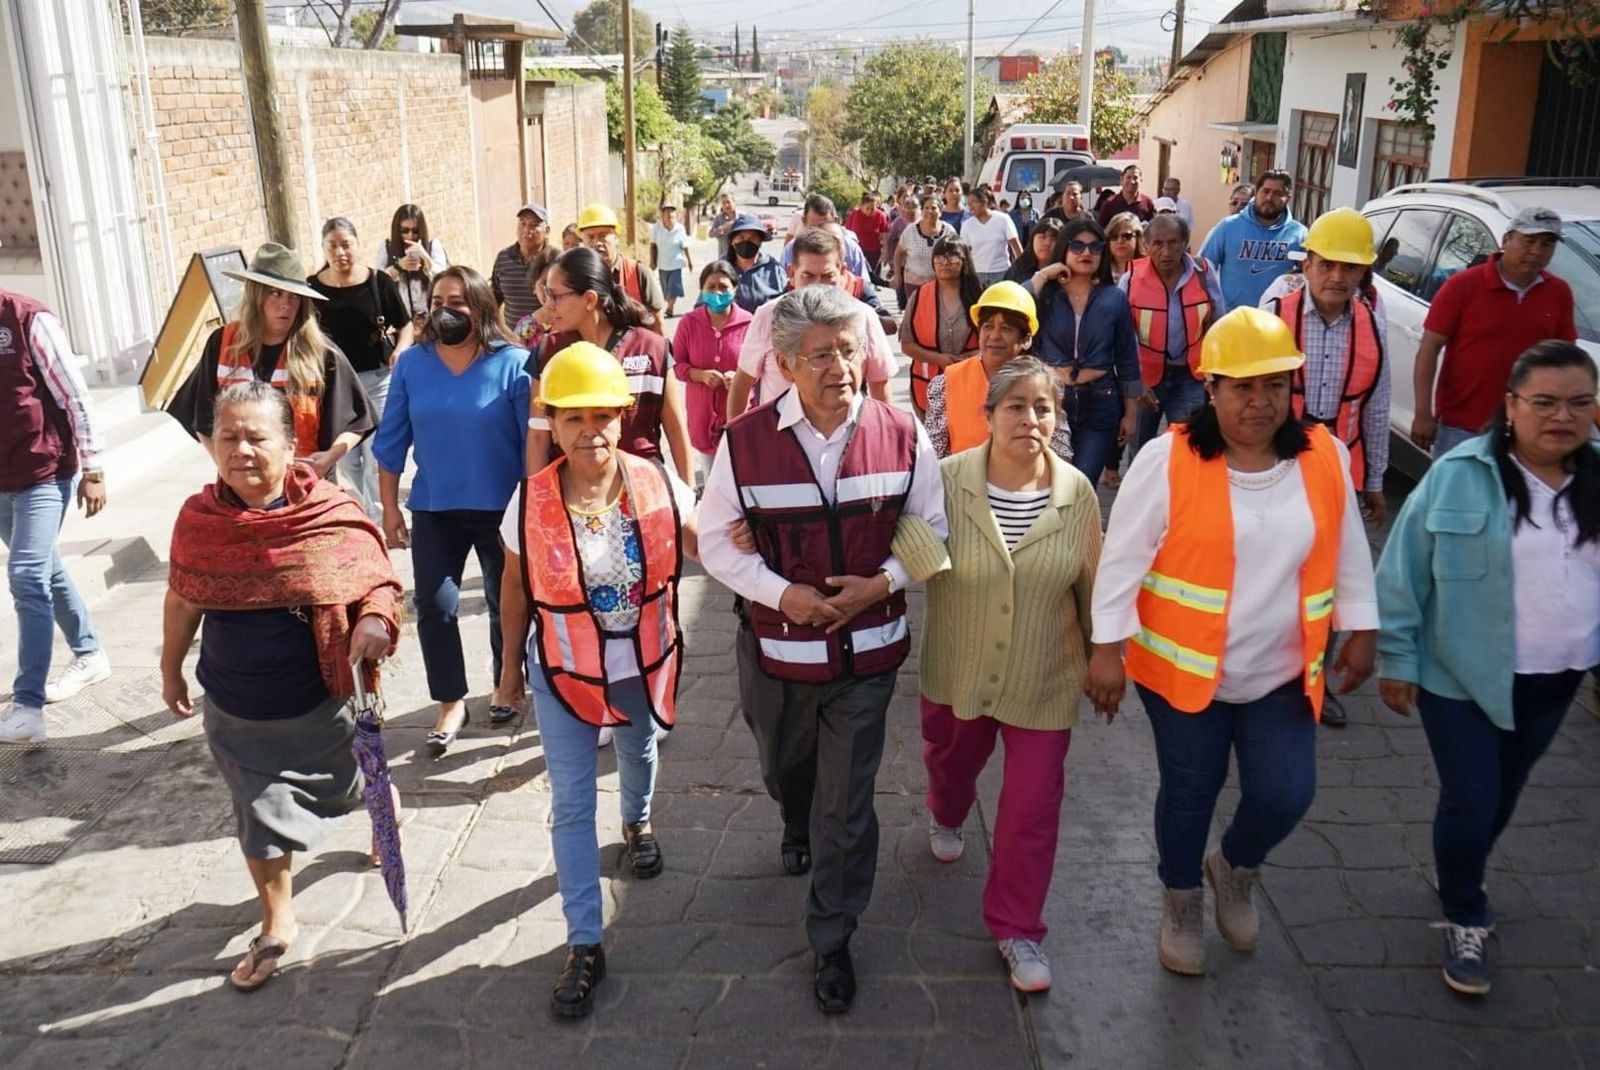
(366,132)
(574,122)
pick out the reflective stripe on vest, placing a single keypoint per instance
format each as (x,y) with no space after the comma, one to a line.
(567,637)
(1362,365)
(1149,300)
(966,385)
(1185,599)
(925,331)
(235,367)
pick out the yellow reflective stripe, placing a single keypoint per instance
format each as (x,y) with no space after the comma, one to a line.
(1191,661)
(1314,673)
(1145,319)
(1319,605)
(1205,599)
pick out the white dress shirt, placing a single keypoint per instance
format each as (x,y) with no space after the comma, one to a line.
(1272,533)
(746,574)
(1555,584)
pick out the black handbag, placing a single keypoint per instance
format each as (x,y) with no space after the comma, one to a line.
(385,333)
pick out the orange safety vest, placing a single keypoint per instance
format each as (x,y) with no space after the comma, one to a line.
(234,366)
(925,330)
(1148,298)
(570,641)
(1362,366)
(1185,598)
(966,385)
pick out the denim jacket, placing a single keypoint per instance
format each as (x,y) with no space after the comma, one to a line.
(1105,340)
(1445,588)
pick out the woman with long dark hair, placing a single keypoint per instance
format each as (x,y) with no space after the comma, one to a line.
(587,304)
(936,329)
(411,256)
(1494,565)
(1043,249)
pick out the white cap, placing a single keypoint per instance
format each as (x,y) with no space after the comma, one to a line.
(1166,204)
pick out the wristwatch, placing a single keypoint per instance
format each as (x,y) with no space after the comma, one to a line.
(94,475)
(890,577)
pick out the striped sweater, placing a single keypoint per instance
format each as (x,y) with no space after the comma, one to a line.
(1006,633)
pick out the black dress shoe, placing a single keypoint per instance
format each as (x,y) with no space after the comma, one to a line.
(835,982)
(1333,715)
(796,858)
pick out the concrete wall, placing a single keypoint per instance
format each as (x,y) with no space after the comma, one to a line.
(1214,94)
(576,156)
(1314,70)
(366,132)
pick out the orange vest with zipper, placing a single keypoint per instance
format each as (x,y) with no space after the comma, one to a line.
(1147,297)
(569,640)
(235,367)
(966,384)
(1362,365)
(1186,597)
(925,330)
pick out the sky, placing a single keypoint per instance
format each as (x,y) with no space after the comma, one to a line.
(1133,25)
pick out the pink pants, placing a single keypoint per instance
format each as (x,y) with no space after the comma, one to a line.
(1025,829)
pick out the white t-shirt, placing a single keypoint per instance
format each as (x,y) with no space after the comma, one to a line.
(990,242)
(613,569)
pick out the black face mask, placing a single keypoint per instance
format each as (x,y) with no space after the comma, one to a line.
(747,250)
(451,326)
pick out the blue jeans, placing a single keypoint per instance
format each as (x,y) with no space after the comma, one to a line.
(1447,438)
(41,590)
(1274,741)
(440,543)
(570,757)
(359,469)
(1177,396)
(1482,770)
(1094,412)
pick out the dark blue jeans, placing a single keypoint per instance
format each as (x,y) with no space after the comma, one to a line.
(1481,772)
(1093,414)
(1177,396)
(440,543)
(1274,740)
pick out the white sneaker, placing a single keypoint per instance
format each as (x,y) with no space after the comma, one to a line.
(1030,969)
(21,724)
(661,735)
(80,673)
(945,842)
(605,736)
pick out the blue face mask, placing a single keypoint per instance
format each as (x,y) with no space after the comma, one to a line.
(717,302)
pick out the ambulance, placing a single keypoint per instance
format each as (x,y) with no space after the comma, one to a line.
(1027,157)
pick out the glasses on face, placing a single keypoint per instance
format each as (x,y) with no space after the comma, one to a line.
(1126,235)
(1086,246)
(1544,406)
(947,255)
(821,362)
(552,296)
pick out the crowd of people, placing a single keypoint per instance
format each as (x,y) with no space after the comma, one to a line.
(558,436)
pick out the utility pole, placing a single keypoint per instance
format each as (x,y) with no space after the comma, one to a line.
(972,77)
(1177,39)
(1086,70)
(261,87)
(629,229)
(661,52)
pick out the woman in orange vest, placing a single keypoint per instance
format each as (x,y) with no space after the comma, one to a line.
(935,330)
(594,546)
(275,337)
(1006,321)
(1230,658)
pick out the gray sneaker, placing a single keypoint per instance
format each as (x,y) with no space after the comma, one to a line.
(21,724)
(945,842)
(1030,969)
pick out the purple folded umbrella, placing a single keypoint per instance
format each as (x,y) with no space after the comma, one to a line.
(369,754)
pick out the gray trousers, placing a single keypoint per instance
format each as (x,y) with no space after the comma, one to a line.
(820,746)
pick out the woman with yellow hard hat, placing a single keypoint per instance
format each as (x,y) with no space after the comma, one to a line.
(589,595)
(1229,658)
(1006,323)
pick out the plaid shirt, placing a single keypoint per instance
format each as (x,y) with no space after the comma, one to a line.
(1327,349)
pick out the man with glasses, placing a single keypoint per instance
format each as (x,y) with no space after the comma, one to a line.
(1252,248)
(509,277)
(821,476)
(1483,318)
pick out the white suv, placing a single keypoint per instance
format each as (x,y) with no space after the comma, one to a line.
(1428,231)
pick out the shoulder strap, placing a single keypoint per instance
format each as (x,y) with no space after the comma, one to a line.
(377,299)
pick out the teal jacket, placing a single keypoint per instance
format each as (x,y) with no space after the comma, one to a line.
(1445,585)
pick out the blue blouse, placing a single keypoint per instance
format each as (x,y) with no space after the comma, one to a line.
(1104,341)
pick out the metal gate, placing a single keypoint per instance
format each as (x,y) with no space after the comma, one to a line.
(1566,126)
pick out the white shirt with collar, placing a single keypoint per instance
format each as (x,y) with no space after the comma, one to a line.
(746,574)
(1555,584)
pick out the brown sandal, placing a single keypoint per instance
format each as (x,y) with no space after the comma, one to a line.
(264,951)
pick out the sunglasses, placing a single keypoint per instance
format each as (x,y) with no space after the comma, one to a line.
(1086,246)
(1126,235)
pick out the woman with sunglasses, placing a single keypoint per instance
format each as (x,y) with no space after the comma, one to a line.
(1125,243)
(1086,335)
(411,257)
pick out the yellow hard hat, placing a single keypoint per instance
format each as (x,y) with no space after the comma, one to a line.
(1248,342)
(584,376)
(1343,235)
(597,215)
(1012,298)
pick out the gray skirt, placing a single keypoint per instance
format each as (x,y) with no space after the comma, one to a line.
(290,779)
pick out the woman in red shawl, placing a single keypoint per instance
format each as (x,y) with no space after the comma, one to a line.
(294,585)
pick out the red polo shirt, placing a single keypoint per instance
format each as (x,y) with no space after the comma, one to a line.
(1488,327)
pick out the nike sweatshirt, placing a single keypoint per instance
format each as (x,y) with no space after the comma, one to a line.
(1249,253)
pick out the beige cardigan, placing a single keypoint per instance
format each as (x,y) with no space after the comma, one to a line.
(1007,633)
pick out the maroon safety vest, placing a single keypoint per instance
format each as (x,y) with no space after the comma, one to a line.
(643,355)
(35,436)
(805,540)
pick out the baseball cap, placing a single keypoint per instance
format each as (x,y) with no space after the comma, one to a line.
(1166,204)
(1536,221)
(747,222)
(537,209)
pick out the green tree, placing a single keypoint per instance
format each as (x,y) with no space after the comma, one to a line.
(365,24)
(733,146)
(652,123)
(600,25)
(826,129)
(683,164)
(680,77)
(1053,98)
(173,18)
(755,52)
(908,110)
(835,182)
